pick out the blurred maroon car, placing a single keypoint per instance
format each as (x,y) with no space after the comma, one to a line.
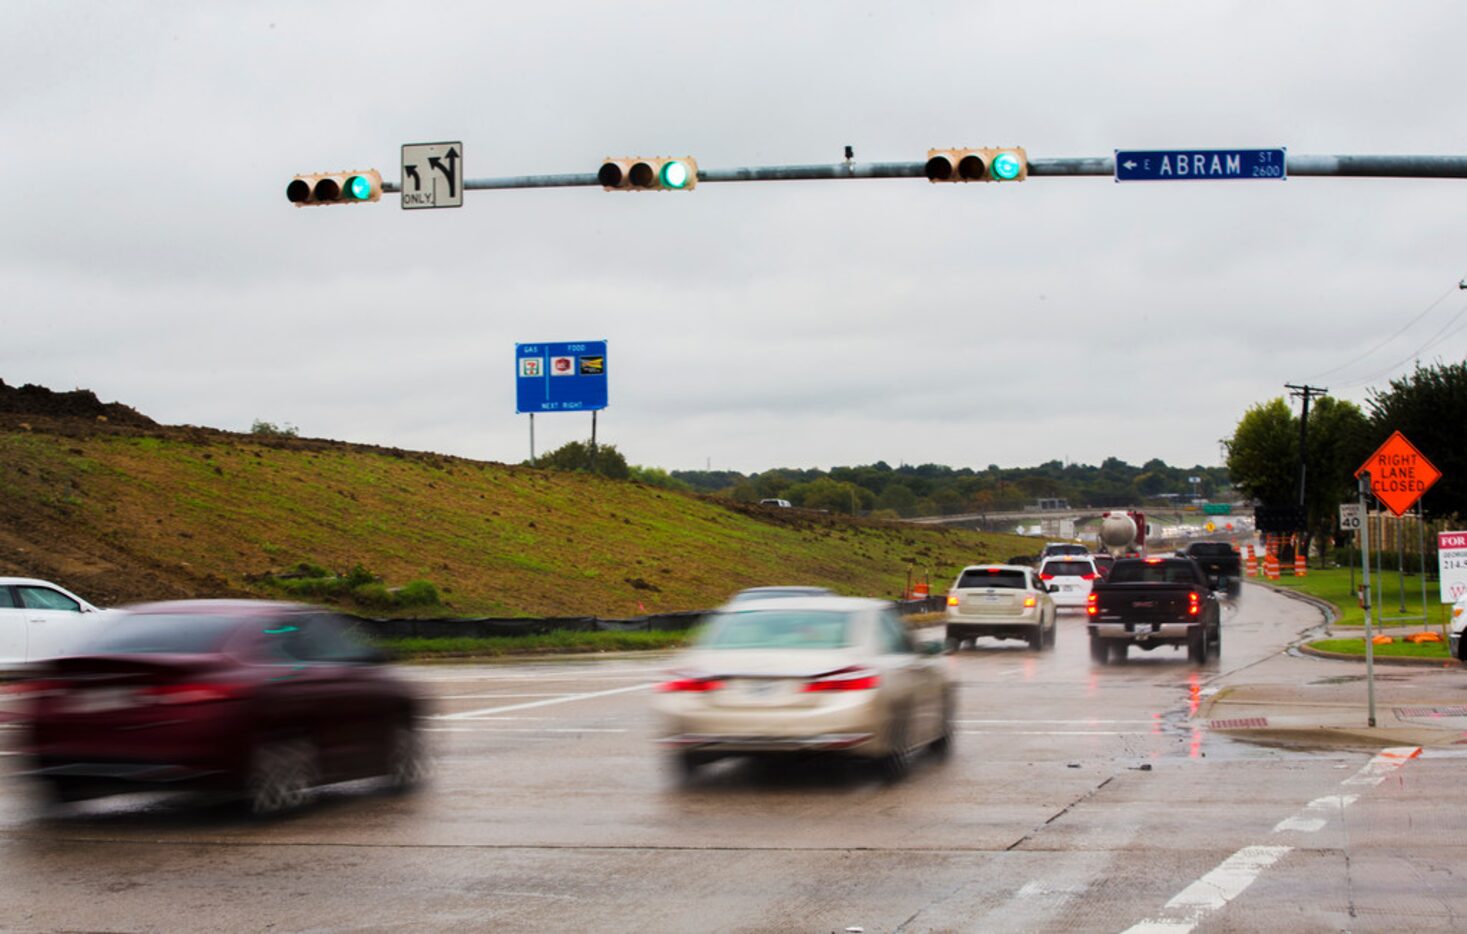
(249,698)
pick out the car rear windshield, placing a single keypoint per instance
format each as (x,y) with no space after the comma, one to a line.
(778,629)
(1066,550)
(1153,572)
(1068,568)
(995,577)
(164,634)
(1210,549)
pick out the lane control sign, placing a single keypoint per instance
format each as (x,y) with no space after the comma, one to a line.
(432,176)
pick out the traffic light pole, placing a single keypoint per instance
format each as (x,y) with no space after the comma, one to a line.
(1346,166)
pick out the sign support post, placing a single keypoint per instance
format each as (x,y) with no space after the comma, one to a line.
(1365,589)
(593,440)
(532,439)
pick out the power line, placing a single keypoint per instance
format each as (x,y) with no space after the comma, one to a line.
(1431,342)
(1441,298)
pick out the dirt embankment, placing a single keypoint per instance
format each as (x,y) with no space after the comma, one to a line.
(102,499)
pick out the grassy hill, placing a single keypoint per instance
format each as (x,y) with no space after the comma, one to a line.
(124,513)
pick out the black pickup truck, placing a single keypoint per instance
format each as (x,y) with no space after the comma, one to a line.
(1220,562)
(1148,602)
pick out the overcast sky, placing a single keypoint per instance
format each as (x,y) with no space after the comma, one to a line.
(148,251)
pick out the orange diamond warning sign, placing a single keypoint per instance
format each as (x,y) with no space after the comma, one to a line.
(1399,473)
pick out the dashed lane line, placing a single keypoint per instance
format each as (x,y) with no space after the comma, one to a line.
(1233,875)
(566,699)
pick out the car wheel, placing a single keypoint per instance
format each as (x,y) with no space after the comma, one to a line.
(282,773)
(1036,638)
(898,759)
(1051,633)
(1099,651)
(1197,645)
(953,645)
(1118,652)
(408,763)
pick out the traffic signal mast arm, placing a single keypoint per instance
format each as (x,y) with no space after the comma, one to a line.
(1357,166)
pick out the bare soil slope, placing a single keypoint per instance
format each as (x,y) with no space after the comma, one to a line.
(121,509)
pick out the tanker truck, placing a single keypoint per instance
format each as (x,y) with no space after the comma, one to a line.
(1123,533)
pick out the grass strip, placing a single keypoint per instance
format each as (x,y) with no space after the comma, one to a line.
(1333,586)
(1397,649)
(560,641)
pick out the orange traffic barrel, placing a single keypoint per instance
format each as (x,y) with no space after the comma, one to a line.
(1252,563)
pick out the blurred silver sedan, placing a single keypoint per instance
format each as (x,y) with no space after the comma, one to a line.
(807,674)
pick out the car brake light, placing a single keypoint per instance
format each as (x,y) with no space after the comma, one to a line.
(1193,607)
(696,685)
(1092,603)
(1031,601)
(189,693)
(1046,577)
(952,599)
(1153,560)
(846,679)
(1088,577)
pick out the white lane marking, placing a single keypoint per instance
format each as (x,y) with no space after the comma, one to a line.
(1384,763)
(1214,890)
(474,714)
(1080,722)
(1238,871)
(519,729)
(444,697)
(1054,732)
(1316,814)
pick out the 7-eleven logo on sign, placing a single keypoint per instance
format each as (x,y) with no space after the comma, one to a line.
(530,366)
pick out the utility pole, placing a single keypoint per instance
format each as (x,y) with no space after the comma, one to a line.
(1304,392)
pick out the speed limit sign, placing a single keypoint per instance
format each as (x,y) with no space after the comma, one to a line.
(1349,517)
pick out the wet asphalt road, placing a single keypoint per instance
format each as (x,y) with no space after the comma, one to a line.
(1078,799)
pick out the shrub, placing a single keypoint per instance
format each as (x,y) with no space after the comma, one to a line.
(373,594)
(417,593)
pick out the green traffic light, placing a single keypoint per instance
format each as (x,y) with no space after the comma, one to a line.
(1006,167)
(675,174)
(359,188)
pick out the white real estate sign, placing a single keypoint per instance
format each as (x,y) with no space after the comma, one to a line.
(1451,560)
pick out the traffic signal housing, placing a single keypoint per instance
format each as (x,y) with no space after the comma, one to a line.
(335,188)
(654,173)
(1005,164)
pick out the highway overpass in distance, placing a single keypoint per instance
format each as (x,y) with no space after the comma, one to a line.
(1050,519)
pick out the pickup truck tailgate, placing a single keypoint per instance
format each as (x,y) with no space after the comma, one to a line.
(1142,603)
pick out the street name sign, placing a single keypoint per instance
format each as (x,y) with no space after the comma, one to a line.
(1349,517)
(1451,562)
(1217,509)
(1399,474)
(432,175)
(560,377)
(1200,165)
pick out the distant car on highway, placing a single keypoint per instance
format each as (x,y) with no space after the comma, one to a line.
(804,675)
(1003,601)
(1069,578)
(778,592)
(777,503)
(257,700)
(1058,549)
(41,620)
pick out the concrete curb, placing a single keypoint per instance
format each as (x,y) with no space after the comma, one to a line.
(1308,649)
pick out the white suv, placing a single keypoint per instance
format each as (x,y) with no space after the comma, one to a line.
(39,620)
(1069,578)
(1001,600)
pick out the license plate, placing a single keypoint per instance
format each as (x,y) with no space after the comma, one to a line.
(992,598)
(100,699)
